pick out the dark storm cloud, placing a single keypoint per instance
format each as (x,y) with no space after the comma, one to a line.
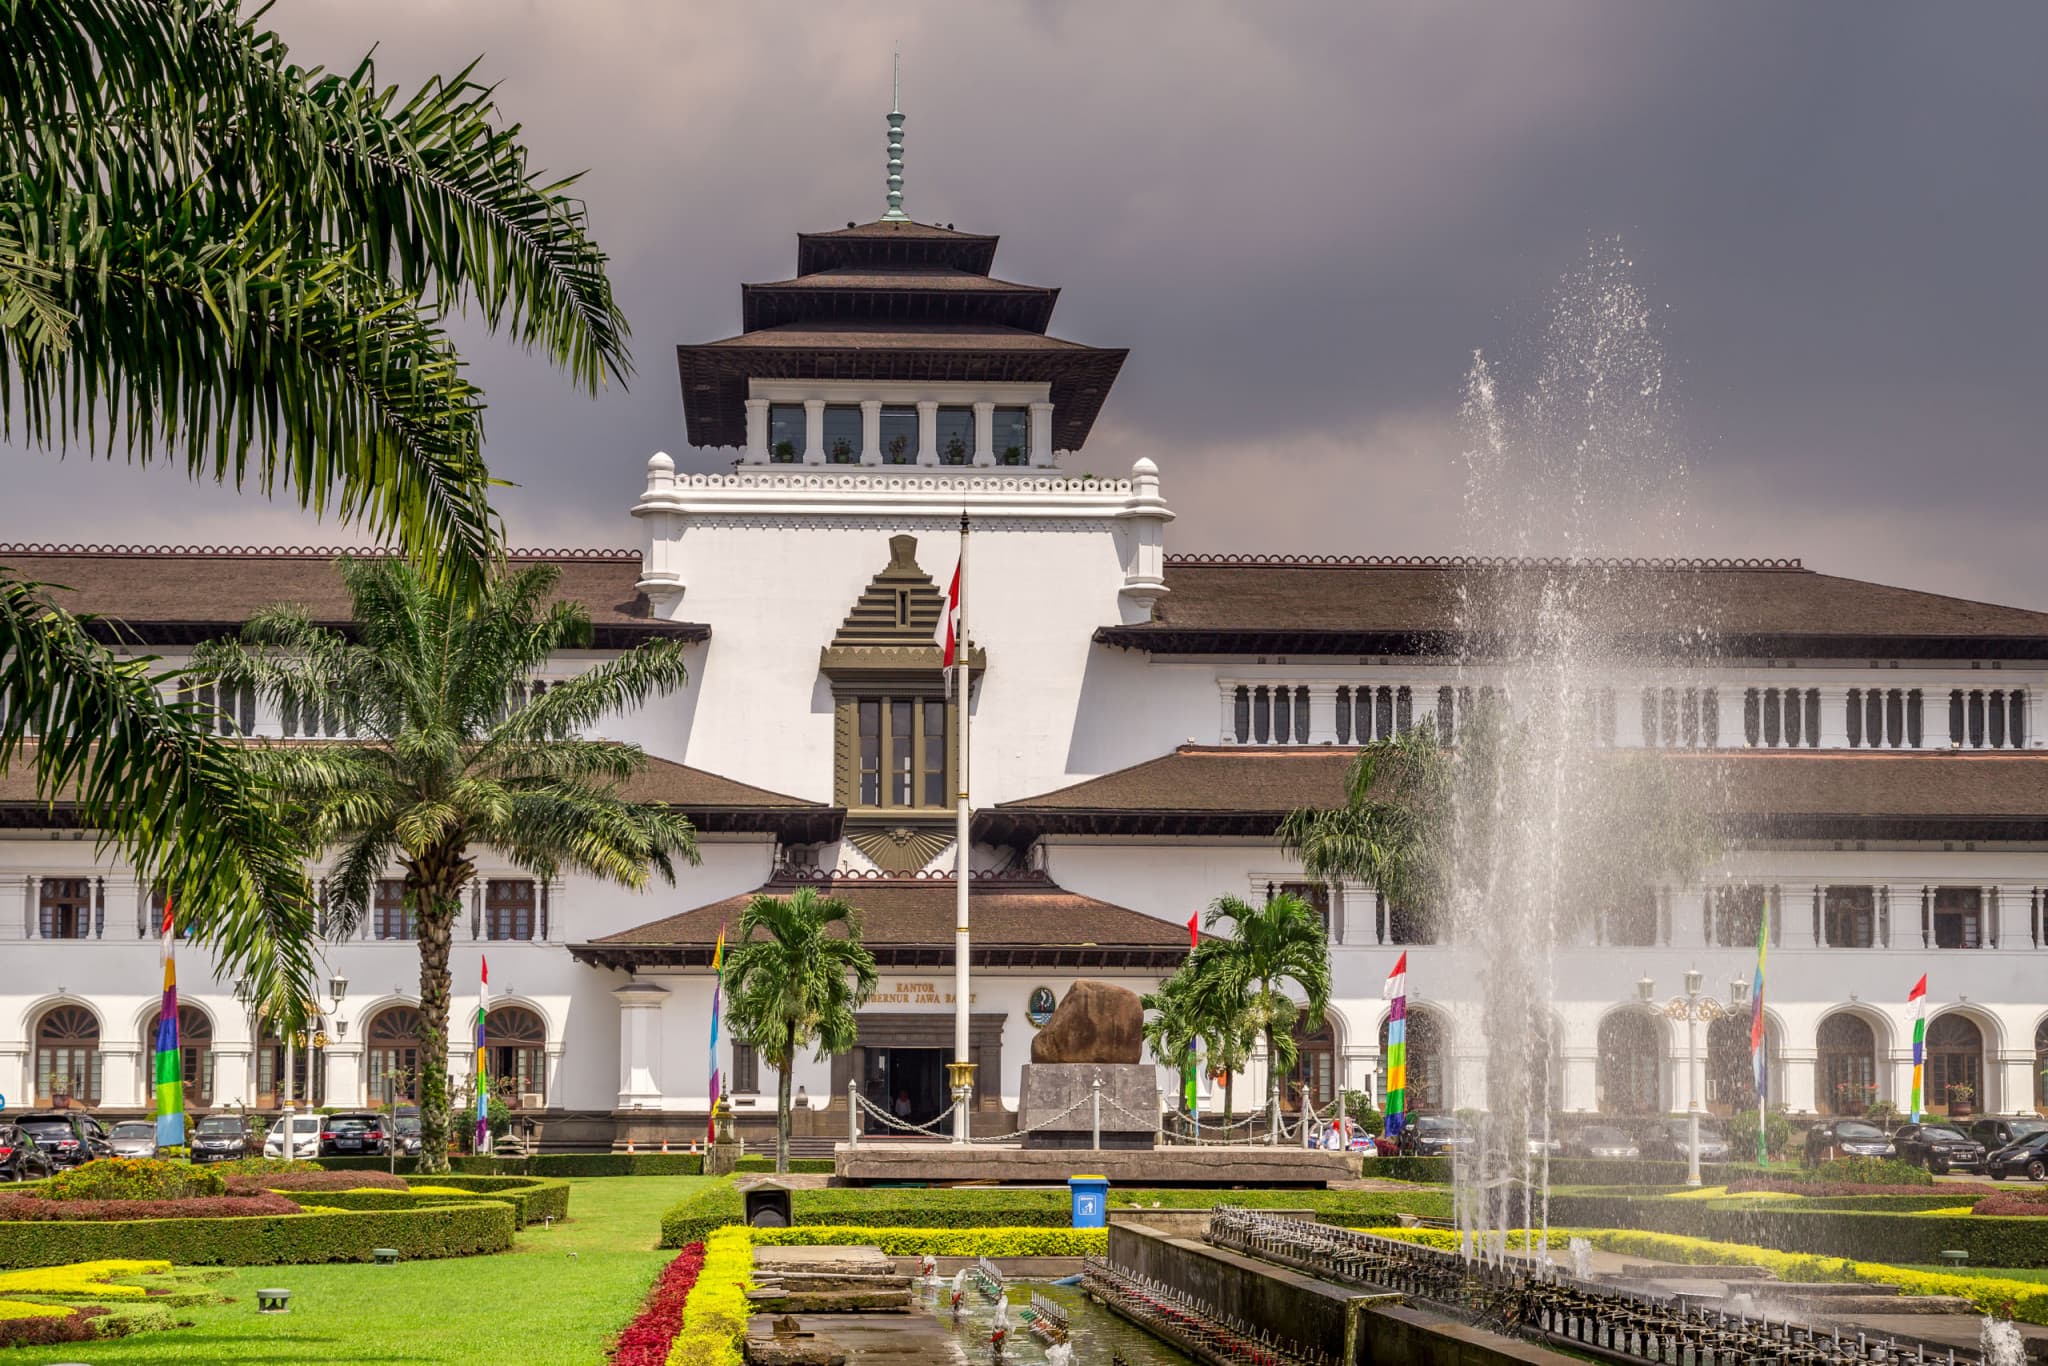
(1303,219)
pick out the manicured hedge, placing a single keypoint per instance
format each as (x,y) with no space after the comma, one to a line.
(450,1230)
(944,1242)
(1855,1233)
(1568,1171)
(814,1166)
(396,1200)
(537,1197)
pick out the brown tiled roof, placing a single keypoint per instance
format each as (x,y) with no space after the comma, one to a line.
(1018,919)
(714,804)
(915,336)
(176,595)
(1220,790)
(898,293)
(883,243)
(1404,606)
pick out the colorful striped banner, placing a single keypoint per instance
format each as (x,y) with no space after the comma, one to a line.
(1758,1057)
(169,1060)
(717,1004)
(1396,991)
(1918,999)
(483,1081)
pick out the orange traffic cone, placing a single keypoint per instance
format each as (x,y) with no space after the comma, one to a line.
(629,1143)
(664,1142)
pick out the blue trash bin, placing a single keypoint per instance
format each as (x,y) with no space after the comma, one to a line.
(1091,1200)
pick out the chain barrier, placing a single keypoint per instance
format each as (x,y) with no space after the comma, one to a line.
(929,1128)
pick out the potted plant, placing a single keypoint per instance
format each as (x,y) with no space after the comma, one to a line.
(1013,455)
(956,449)
(841,451)
(60,1091)
(785,451)
(1853,1097)
(1960,1096)
(899,449)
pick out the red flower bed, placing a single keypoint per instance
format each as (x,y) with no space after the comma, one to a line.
(251,1183)
(28,1207)
(42,1332)
(1789,1187)
(2012,1202)
(646,1339)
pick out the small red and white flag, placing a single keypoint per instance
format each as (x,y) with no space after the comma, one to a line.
(947,636)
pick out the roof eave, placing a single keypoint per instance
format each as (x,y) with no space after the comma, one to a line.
(1166,638)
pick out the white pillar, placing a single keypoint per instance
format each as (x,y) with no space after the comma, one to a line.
(1361,912)
(14,891)
(928,432)
(640,1044)
(1905,917)
(1143,519)
(232,1083)
(757,431)
(2016,1086)
(1322,714)
(1796,901)
(120,1079)
(871,431)
(1799,1071)
(814,431)
(345,1073)
(1226,727)
(1901,1090)
(1581,1080)
(1834,723)
(984,434)
(1041,434)
(553,1078)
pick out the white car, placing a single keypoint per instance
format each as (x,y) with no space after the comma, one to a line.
(305,1137)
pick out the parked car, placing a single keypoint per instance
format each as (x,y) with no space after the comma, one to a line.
(1544,1144)
(2027,1158)
(1434,1136)
(1670,1139)
(352,1134)
(1602,1140)
(68,1136)
(1846,1138)
(406,1125)
(220,1138)
(21,1157)
(133,1138)
(2003,1133)
(305,1137)
(1937,1147)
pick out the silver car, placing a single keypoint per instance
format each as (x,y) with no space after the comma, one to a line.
(133,1138)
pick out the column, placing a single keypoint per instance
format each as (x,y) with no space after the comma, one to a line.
(1905,902)
(1468,1081)
(1581,1080)
(14,1079)
(1041,435)
(553,1075)
(120,1078)
(1834,718)
(14,891)
(814,431)
(1800,1065)
(1688,917)
(1322,714)
(1901,1093)
(1226,726)
(984,434)
(1361,913)
(928,432)
(345,1073)
(2015,918)
(640,1044)
(757,431)
(1796,911)
(233,1083)
(871,431)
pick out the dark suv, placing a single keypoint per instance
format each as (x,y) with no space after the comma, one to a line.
(1669,1139)
(2003,1133)
(1846,1138)
(1434,1136)
(1937,1147)
(220,1138)
(70,1138)
(22,1158)
(2026,1158)
(352,1133)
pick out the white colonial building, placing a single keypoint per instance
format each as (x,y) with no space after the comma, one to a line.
(1140,722)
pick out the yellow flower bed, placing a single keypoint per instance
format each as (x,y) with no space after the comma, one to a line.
(21,1309)
(945,1242)
(86,1280)
(715,1315)
(418,1190)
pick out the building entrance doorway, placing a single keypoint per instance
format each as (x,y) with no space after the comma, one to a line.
(910,1083)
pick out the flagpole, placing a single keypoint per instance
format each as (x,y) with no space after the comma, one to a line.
(963,872)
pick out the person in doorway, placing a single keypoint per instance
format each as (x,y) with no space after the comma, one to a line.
(903,1105)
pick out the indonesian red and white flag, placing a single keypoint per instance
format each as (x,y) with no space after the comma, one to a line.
(947,636)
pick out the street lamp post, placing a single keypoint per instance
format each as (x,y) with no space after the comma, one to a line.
(337,987)
(1691,1008)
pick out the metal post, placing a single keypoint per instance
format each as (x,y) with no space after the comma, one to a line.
(852,1113)
(288,1062)
(1692,1088)
(963,678)
(1095,1133)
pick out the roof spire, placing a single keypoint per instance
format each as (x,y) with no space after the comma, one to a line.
(896,214)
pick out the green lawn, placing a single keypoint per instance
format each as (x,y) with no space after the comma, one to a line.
(536,1303)
(2002,1273)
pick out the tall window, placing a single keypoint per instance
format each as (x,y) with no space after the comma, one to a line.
(787,432)
(67,1043)
(309,1071)
(1627,1074)
(195,1051)
(64,908)
(1996,719)
(394,1054)
(2041,1066)
(956,435)
(1737,915)
(1315,1066)
(1631,919)
(390,916)
(515,1050)
(842,434)
(1731,1068)
(1316,894)
(1849,918)
(1955,1058)
(903,745)
(746,1069)
(1848,1064)
(509,908)
(1011,436)
(1958,918)
(899,434)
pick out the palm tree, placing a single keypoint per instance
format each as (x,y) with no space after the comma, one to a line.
(1393,829)
(792,984)
(445,762)
(1178,1022)
(213,256)
(1268,947)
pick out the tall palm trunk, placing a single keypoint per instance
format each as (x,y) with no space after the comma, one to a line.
(1229,1104)
(437,894)
(1272,1086)
(782,1107)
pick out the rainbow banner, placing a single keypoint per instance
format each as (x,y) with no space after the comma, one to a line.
(483,1081)
(1758,1058)
(717,1003)
(170,1063)
(1190,1075)
(1396,991)
(1917,998)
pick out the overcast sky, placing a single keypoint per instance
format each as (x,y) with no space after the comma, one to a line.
(1303,219)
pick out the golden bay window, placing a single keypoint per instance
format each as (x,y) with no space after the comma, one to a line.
(902,752)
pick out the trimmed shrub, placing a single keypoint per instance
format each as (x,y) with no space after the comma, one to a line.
(1872,1171)
(265,1166)
(697,1218)
(1805,1185)
(44,1325)
(1567,1171)
(647,1338)
(945,1242)
(715,1315)
(80,1279)
(133,1178)
(537,1198)
(812,1166)
(1792,1226)
(28,1209)
(2009,1202)
(452,1230)
(240,1182)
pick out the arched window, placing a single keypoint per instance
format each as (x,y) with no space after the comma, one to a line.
(195,1049)
(67,1056)
(308,1070)
(1731,1068)
(1955,1058)
(1848,1065)
(1427,1093)
(1528,1076)
(393,1060)
(1631,1045)
(1315,1066)
(2041,1067)
(515,1050)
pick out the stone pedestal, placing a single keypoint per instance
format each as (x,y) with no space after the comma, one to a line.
(723,1157)
(1066,1090)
